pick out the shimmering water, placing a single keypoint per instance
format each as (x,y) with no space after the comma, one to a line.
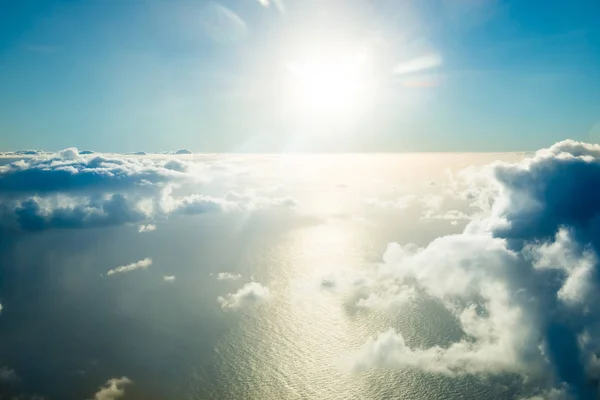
(67,332)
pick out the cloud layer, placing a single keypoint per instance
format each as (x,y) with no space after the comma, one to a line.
(70,189)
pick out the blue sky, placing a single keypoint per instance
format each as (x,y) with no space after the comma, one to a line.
(436,75)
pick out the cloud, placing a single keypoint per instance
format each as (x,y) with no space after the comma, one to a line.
(432,204)
(418,64)
(70,190)
(145,263)
(401,202)
(393,296)
(146,228)
(8,375)
(184,151)
(450,215)
(70,171)
(522,280)
(37,214)
(227,276)
(250,295)
(113,389)
(169,278)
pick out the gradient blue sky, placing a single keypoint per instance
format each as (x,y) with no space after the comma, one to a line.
(131,75)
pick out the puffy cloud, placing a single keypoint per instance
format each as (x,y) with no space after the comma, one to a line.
(250,295)
(184,151)
(393,296)
(227,276)
(113,389)
(146,228)
(74,190)
(169,278)
(522,280)
(69,171)
(143,264)
(39,213)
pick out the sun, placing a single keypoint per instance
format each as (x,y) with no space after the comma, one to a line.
(327,84)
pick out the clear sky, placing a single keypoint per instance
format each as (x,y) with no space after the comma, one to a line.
(298,75)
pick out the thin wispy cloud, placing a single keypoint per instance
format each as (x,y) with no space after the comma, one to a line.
(142,264)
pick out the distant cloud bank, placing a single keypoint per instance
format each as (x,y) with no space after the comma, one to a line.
(72,189)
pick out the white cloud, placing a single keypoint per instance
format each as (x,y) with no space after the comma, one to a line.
(250,295)
(113,389)
(169,278)
(521,280)
(418,64)
(74,190)
(227,276)
(450,215)
(432,203)
(401,202)
(146,228)
(143,264)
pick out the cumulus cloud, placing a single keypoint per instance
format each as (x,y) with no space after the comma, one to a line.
(142,264)
(113,389)
(70,189)
(146,228)
(169,278)
(522,281)
(227,276)
(250,295)
(39,213)
(69,171)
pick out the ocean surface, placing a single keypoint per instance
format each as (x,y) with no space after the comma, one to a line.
(66,328)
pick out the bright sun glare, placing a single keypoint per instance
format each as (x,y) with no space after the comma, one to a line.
(326,84)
